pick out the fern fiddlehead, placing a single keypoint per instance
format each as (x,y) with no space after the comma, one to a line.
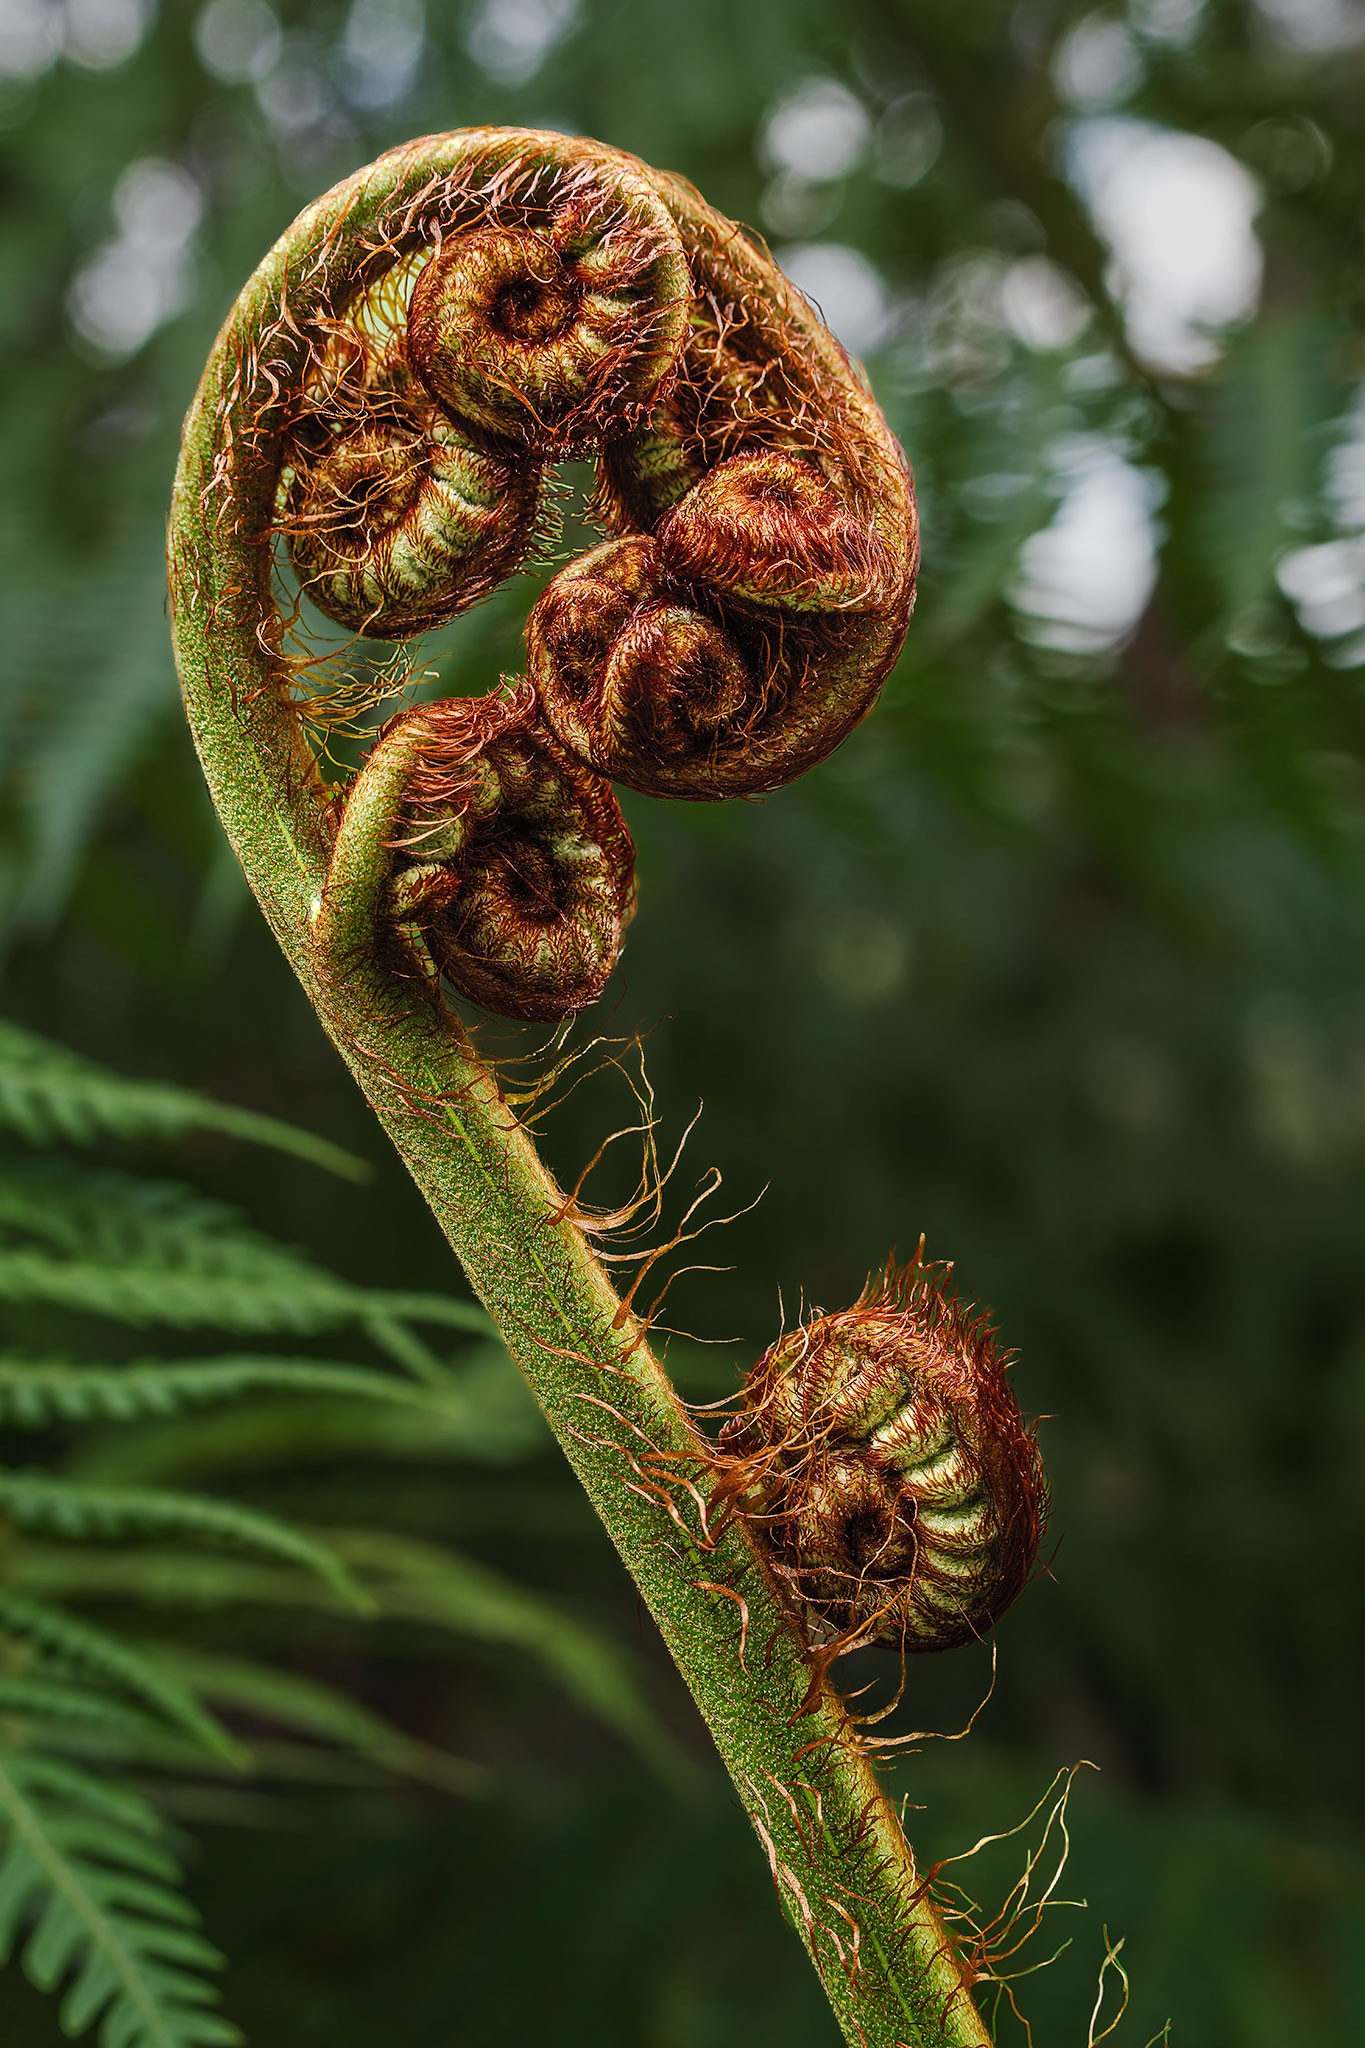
(394,521)
(378,414)
(760,582)
(511,863)
(901,1496)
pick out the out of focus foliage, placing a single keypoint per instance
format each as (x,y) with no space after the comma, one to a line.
(1060,960)
(91,1899)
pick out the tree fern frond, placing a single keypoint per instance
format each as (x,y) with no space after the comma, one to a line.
(1260,442)
(88,1895)
(104,623)
(144,1251)
(307,1707)
(49,1094)
(482,1412)
(424,1582)
(410,1581)
(37,1392)
(47,1702)
(160,1578)
(35,1500)
(74,1641)
(59,1713)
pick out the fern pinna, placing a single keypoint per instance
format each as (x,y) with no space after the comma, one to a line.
(97,1715)
(372,451)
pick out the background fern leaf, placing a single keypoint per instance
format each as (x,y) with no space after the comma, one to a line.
(35,1500)
(47,1703)
(411,1582)
(484,1415)
(37,1392)
(306,1706)
(425,1582)
(87,1894)
(49,1094)
(142,1251)
(75,1641)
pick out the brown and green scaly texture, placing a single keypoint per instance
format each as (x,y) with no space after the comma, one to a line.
(372,439)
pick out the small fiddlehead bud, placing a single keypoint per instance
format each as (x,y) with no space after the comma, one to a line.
(883,1456)
(559,325)
(393,519)
(651,680)
(512,863)
(775,588)
(771,529)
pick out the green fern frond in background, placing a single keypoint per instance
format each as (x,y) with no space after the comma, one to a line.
(142,1251)
(35,1500)
(478,1411)
(103,623)
(68,1640)
(50,1095)
(35,1393)
(90,1899)
(305,1706)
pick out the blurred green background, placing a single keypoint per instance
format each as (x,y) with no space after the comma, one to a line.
(1060,960)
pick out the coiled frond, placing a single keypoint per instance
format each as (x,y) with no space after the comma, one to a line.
(393,519)
(513,862)
(882,1455)
(472,309)
(556,320)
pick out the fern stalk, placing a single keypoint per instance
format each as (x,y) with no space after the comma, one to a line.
(845,1874)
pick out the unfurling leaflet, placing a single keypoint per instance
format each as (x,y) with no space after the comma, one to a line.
(393,519)
(658,686)
(882,1456)
(554,327)
(767,546)
(512,863)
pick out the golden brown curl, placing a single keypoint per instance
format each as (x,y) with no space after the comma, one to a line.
(882,1457)
(513,863)
(393,519)
(768,540)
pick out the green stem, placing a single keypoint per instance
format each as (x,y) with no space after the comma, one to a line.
(843,1869)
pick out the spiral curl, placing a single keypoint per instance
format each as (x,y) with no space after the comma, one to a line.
(882,1457)
(648,678)
(393,519)
(782,515)
(536,297)
(554,334)
(512,862)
